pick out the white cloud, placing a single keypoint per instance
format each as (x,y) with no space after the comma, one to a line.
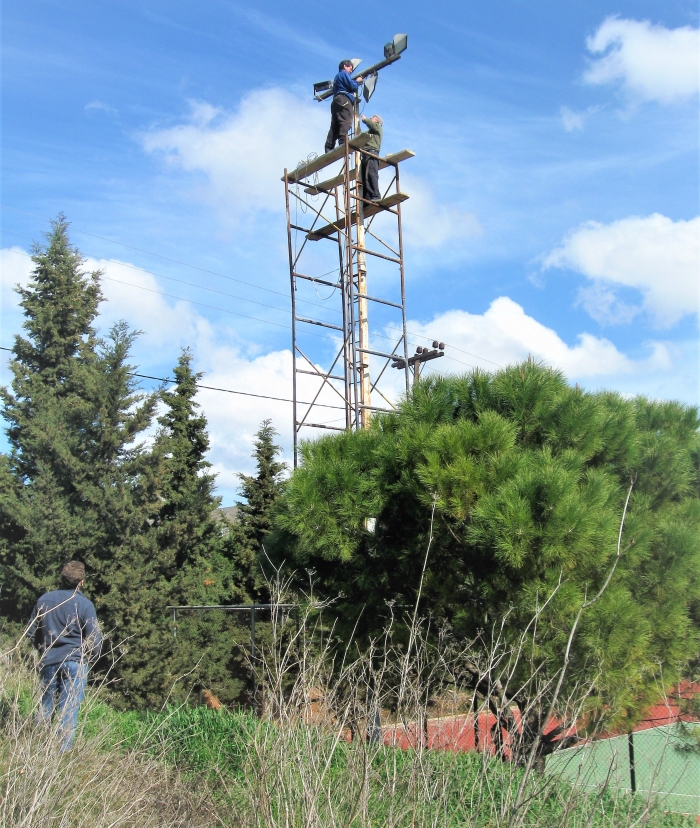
(15,267)
(653,254)
(576,120)
(651,62)
(136,295)
(226,360)
(505,334)
(430,223)
(243,154)
(570,119)
(101,106)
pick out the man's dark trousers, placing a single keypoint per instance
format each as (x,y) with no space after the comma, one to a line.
(341,120)
(370,178)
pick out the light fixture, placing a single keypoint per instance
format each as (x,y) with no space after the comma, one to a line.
(370,84)
(323,86)
(396,46)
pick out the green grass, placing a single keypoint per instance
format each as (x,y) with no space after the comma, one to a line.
(234,748)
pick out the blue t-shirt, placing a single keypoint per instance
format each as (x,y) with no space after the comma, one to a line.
(343,84)
(64,627)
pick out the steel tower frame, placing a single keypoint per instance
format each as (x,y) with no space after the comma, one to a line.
(338,213)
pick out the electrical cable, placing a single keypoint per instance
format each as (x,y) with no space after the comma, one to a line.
(184,282)
(233,313)
(150,253)
(241,281)
(224,390)
(194,302)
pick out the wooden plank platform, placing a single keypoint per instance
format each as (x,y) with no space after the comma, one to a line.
(324,160)
(370,210)
(386,161)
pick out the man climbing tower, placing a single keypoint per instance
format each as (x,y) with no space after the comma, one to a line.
(370,165)
(344,89)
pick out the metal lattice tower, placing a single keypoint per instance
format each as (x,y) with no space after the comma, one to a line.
(329,248)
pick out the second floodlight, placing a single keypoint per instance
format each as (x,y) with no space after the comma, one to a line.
(396,46)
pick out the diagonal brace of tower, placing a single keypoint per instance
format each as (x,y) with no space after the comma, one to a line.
(340,355)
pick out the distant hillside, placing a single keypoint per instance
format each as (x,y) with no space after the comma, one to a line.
(228,512)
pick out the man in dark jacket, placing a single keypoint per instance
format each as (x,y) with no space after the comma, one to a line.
(64,629)
(369,165)
(342,105)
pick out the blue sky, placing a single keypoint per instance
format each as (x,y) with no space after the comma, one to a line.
(554,192)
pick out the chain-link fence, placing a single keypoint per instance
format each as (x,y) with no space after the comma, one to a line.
(660,761)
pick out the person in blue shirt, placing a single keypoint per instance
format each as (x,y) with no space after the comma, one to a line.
(342,105)
(64,629)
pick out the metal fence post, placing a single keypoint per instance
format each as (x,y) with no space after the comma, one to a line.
(630,751)
(252,653)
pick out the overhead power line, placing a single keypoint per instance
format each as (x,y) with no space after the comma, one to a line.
(212,307)
(151,253)
(185,282)
(192,301)
(214,388)
(241,281)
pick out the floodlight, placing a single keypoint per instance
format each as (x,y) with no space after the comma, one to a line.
(369,86)
(322,86)
(396,46)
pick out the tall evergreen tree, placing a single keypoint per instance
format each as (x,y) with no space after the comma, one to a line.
(198,562)
(74,483)
(261,491)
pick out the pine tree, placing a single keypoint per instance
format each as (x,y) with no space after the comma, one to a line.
(521,481)
(254,520)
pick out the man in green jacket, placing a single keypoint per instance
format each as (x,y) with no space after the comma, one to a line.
(370,164)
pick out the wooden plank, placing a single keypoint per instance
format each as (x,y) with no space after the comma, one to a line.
(387,161)
(396,158)
(370,210)
(330,183)
(322,161)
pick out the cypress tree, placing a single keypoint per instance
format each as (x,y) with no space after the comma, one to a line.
(72,483)
(261,491)
(77,483)
(197,560)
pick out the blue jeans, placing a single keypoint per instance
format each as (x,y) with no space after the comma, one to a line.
(67,683)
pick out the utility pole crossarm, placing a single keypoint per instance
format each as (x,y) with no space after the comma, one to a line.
(387,161)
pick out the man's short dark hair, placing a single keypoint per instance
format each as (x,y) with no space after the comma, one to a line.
(343,64)
(72,574)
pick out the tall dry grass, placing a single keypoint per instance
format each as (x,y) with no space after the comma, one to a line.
(100,783)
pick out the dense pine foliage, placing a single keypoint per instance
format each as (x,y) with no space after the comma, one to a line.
(527,478)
